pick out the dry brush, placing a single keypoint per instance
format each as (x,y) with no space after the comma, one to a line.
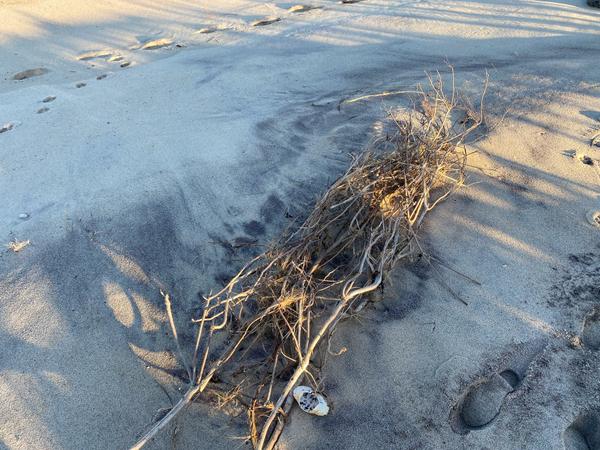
(269,327)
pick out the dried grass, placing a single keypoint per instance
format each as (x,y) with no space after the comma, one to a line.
(277,312)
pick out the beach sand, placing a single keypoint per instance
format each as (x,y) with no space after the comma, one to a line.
(142,139)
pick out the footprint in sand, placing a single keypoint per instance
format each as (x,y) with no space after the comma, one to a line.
(349,2)
(157,43)
(94,54)
(585,159)
(205,30)
(301,8)
(43,110)
(6,127)
(80,85)
(208,30)
(264,22)
(583,433)
(591,330)
(30,73)
(125,64)
(49,99)
(482,401)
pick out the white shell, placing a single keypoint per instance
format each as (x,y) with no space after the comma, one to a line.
(593,217)
(310,402)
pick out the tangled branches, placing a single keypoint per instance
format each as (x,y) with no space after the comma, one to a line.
(262,333)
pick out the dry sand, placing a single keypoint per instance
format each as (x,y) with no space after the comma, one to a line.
(137,150)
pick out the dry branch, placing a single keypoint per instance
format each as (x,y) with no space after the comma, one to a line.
(280,308)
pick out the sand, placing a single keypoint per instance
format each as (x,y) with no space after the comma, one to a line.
(141,140)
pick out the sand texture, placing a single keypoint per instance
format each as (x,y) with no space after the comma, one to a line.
(148,145)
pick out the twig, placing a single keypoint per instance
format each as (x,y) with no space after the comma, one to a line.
(167,299)
(378,95)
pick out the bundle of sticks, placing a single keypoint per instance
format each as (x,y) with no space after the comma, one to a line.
(267,329)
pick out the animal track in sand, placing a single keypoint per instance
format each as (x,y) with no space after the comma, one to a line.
(264,22)
(43,110)
(30,73)
(583,433)
(349,2)
(80,85)
(591,329)
(49,99)
(101,77)
(482,401)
